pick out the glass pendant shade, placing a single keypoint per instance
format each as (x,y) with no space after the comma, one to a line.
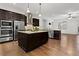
(39,15)
(29,19)
(29,16)
(28,11)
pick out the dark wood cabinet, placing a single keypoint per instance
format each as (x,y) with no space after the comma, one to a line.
(9,15)
(29,42)
(57,34)
(2,14)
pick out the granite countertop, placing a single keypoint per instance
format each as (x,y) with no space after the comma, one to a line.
(30,32)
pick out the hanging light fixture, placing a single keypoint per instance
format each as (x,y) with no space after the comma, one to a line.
(28,9)
(29,15)
(29,18)
(39,10)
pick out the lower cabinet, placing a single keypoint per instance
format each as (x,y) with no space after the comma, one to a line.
(57,34)
(28,42)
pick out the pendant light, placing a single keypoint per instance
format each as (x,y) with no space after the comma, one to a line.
(39,10)
(28,9)
(29,18)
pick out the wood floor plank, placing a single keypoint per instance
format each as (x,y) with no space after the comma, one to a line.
(67,46)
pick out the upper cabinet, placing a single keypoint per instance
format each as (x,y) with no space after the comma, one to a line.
(2,14)
(9,15)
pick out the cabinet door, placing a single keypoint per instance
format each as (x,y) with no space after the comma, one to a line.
(2,14)
(57,35)
(8,15)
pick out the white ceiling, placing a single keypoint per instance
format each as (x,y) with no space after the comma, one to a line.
(48,9)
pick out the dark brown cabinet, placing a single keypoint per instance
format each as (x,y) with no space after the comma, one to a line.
(2,14)
(9,15)
(57,34)
(29,42)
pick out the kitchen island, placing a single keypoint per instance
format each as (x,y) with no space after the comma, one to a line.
(29,40)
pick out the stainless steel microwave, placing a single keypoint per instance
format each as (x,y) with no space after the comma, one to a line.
(6,23)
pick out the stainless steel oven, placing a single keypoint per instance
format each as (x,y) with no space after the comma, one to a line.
(6,30)
(3,39)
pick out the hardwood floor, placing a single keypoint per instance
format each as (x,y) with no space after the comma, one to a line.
(67,46)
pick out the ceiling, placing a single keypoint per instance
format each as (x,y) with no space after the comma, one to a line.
(48,9)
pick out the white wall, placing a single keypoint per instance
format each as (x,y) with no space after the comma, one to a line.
(44,24)
(71,25)
(41,23)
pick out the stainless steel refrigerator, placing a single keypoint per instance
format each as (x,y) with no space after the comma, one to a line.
(18,26)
